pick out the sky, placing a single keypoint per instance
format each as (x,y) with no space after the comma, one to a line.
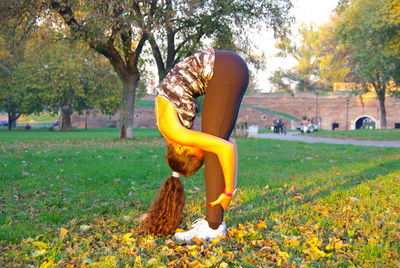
(305,11)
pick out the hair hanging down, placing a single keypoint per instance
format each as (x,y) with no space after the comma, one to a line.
(166,211)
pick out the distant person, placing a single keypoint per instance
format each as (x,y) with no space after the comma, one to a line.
(56,123)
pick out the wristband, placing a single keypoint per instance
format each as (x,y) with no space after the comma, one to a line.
(230,194)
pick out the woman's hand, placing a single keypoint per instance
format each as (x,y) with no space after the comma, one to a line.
(222,200)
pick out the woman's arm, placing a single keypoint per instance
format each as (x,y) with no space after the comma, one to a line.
(231,140)
(170,126)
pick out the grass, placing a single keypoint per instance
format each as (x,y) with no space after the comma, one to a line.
(75,199)
(360,134)
(35,135)
(40,118)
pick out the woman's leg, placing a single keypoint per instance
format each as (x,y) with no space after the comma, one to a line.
(220,109)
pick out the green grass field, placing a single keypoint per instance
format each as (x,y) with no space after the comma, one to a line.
(360,134)
(75,199)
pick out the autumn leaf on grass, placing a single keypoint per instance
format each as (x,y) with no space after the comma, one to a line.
(152,261)
(282,258)
(40,245)
(216,241)
(194,264)
(84,227)
(291,241)
(291,190)
(372,241)
(314,241)
(223,265)
(324,212)
(197,240)
(312,248)
(347,209)
(138,261)
(230,255)
(297,196)
(261,225)
(63,232)
(125,239)
(335,244)
(209,262)
(353,199)
(179,249)
(47,264)
(148,243)
(38,253)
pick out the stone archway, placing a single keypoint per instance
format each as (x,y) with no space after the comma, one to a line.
(365,121)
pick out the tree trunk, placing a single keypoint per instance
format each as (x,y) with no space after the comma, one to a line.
(304,85)
(380,89)
(12,118)
(382,109)
(66,113)
(127,106)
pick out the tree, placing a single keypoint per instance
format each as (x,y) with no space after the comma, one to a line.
(321,59)
(182,27)
(371,28)
(334,62)
(112,28)
(12,44)
(119,29)
(50,81)
(282,80)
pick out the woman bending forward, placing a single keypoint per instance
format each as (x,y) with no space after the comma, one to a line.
(222,76)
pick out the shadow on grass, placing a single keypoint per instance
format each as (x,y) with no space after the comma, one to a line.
(279,201)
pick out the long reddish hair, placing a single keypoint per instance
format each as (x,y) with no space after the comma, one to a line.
(166,212)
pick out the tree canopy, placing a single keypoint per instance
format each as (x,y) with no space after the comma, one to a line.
(118,30)
(371,29)
(45,80)
(183,27)
(360,43)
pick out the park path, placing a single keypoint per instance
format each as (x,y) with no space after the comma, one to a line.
(293,136)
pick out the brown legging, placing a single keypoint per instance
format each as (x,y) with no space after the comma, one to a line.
(220,109)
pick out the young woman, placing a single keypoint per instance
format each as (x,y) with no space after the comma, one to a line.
(222,76)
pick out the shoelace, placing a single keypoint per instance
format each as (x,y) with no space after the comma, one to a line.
(197,222)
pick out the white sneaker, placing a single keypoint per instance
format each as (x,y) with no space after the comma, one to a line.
(201,230)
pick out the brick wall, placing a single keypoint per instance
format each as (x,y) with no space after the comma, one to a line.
(332,108)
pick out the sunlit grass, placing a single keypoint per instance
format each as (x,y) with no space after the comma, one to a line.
(75,198)
(360,134)
(39,118)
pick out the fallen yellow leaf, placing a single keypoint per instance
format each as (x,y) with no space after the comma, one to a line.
(63,232)
(223,265)
(194,264)
(179,249)
(46,264)
(325,212)
(197,240)
(291,190)
(261,225)
(126,238)
(152,261)
(335,244)
(353,199)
